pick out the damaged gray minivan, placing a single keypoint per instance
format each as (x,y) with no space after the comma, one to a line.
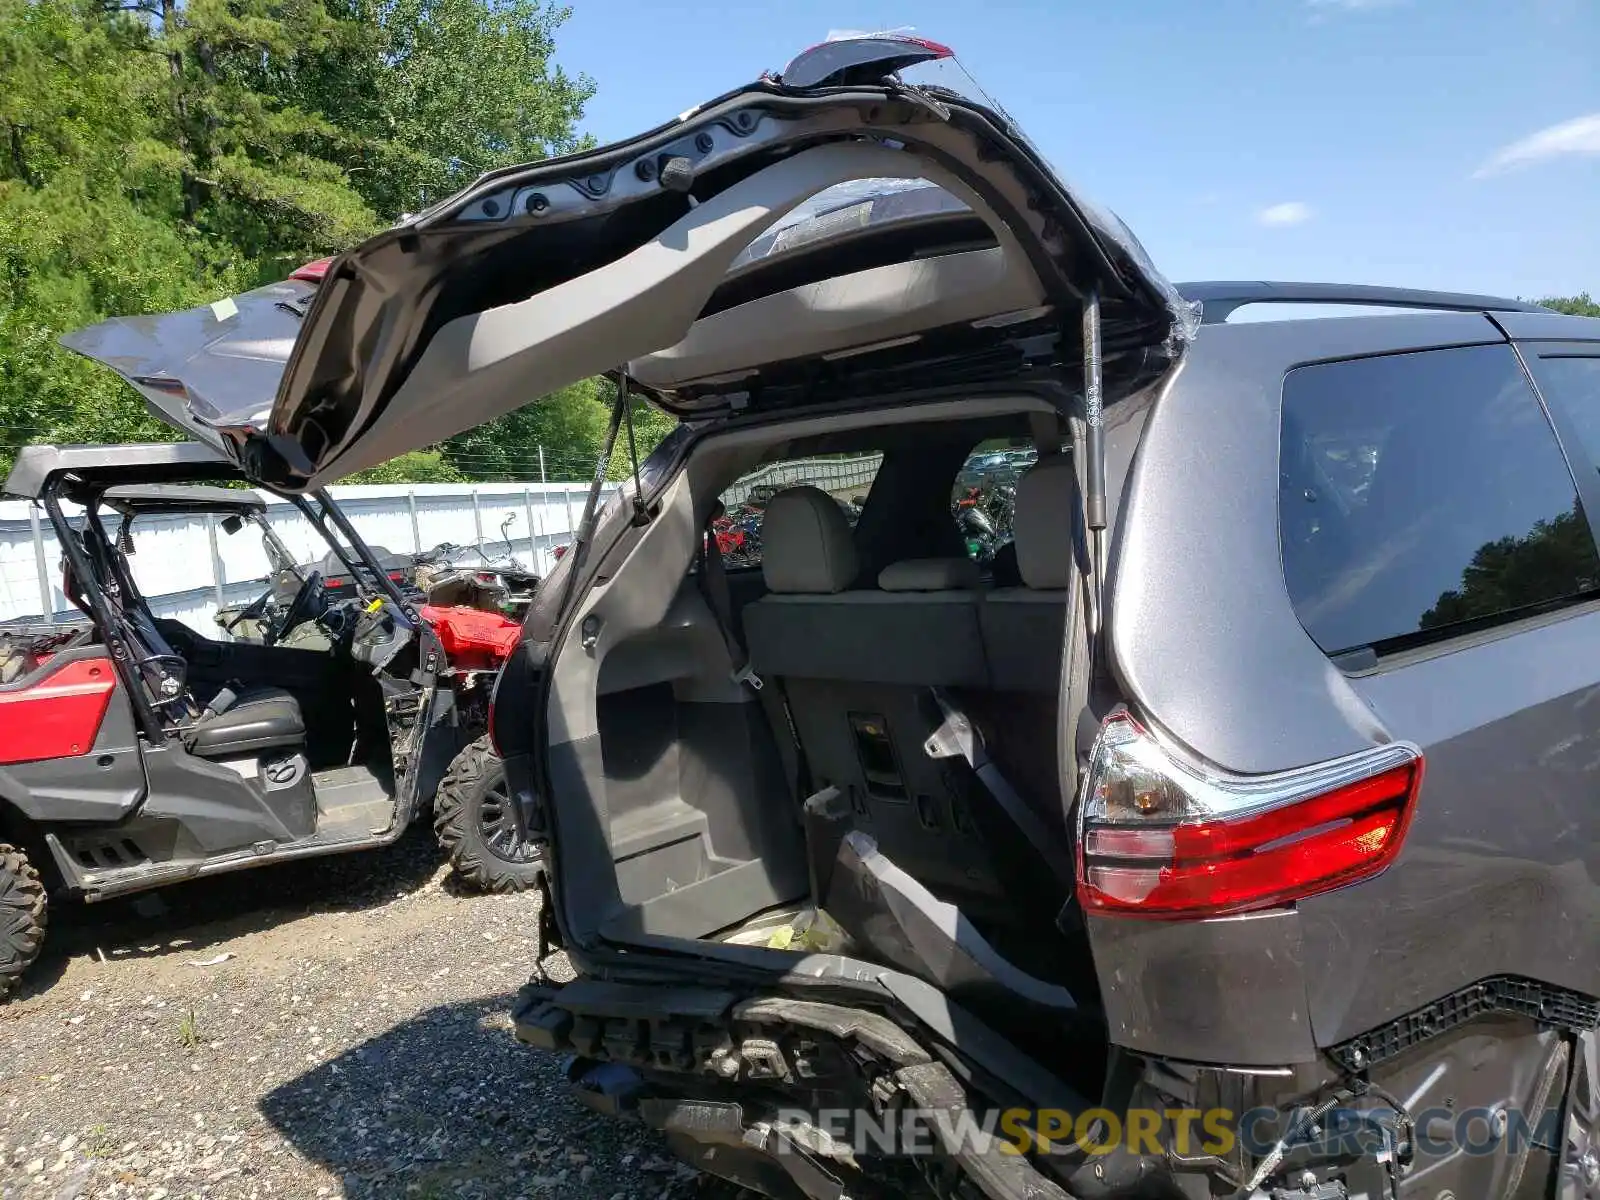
(1103,868)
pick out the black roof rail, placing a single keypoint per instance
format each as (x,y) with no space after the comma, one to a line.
(1219,300)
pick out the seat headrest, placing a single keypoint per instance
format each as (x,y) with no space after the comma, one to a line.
(806,545)
(930,575)
(1043,522)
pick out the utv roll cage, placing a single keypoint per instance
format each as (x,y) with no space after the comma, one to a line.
(92,476)
(234,506)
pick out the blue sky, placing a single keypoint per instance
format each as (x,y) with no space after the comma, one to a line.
(1429,143)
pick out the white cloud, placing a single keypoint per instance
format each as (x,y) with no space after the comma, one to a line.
(1291,212)
(1354,5)
(1577,138)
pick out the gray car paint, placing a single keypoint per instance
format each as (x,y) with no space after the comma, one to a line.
(557,270)
(1503,842)
(1217,657)
(1231,990)
(228,355)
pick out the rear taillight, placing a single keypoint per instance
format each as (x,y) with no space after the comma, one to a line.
(312,272)
(1159,837)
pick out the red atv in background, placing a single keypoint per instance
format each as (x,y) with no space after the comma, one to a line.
(136,752)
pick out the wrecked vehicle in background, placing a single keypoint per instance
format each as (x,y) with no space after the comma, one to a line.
(470,576)
(136,753)
(1126,880)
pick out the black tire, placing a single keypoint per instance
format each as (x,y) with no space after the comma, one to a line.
(473,819)
(22,916)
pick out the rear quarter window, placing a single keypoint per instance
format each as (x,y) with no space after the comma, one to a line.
(1423,496)
(1572,381)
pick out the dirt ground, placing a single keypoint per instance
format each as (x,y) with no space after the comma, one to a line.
(329,1028)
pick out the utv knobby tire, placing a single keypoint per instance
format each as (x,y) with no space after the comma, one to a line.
(22,916)
(473,819)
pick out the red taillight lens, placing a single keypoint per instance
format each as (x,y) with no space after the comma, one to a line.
(397,576)
(312,272)
(1160,838)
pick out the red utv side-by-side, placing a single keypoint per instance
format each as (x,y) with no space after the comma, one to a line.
(136,753)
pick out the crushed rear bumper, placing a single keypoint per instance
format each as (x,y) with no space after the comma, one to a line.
(740,1085)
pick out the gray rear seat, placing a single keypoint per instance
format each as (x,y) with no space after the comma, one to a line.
(1024,636)
(917,628)
(1024,627)
(856,667)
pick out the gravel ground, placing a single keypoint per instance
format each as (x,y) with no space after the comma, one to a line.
(355,1042)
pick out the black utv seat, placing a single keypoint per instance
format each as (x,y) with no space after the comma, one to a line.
(257,719)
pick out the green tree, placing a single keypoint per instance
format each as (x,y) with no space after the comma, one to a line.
(418,466)
(432,93)
(85,217)
(1580,305)
(247,157)
(157,154)
(571,427)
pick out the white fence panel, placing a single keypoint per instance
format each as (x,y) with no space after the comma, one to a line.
(834,475)
(188,566)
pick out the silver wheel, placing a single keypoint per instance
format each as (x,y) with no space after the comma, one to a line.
(1580,1161)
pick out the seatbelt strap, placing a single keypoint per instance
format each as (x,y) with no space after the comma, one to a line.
(714,582)
(774,699)
(802,765)
(957,737)
(226,697)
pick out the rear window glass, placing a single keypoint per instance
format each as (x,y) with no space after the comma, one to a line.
(1572,382)
(1423,495)
(983,499)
